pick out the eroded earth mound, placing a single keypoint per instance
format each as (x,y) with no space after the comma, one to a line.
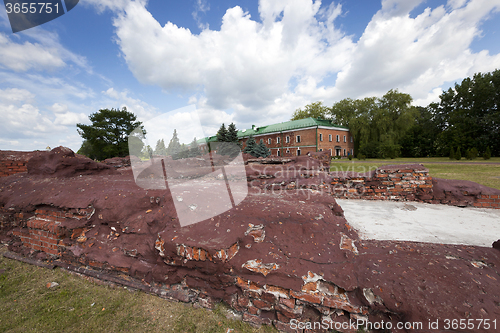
(279,257)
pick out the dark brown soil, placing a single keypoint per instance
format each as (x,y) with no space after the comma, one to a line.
(417,282)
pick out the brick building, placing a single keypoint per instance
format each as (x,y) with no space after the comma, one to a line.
(298,137)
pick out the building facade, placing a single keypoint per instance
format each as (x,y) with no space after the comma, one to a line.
(299,137)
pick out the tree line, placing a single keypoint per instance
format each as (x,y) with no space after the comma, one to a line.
(465,121)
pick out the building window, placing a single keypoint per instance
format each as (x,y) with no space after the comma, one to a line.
(320,137)
(338,138)
(345,139)
(352,152)
(261,140)
(287,139)
(298,152)
(288,151)
(298,138)
(321,149)
(269,141)
(344,152)
(330,137)
(351,138)
(278,153)
(278,139)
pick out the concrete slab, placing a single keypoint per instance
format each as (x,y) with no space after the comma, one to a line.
(419,222)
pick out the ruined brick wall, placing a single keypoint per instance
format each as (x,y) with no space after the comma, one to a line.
(44,231)
(390,183)
(10,167)
(488,201)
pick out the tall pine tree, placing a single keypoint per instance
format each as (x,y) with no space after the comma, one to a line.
(174,146)
(160,148)
(250,147)
(194,150)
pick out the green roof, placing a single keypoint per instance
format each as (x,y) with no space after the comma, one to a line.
(289,125)
(285,126)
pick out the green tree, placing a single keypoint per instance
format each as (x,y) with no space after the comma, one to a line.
(108,134)
(222,134)
(420,139)
(261,150)
(378,125)
(85,149)
(487,154)
(452,153)
(160,148)
(227,141)
(194,149)
(469,114)
(458,154)
(146,152)
(174,146)
(250,146)
(314,110)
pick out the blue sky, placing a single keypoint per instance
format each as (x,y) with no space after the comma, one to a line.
(247,62)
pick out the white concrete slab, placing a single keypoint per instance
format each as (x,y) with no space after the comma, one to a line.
(419,222)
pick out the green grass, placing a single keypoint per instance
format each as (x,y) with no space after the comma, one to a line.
(78,305)
(485,174)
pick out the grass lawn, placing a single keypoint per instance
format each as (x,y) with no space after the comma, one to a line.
(77,305)
(439,167)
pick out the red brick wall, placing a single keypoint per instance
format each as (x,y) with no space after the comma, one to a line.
(43,232)
(488,201)
(8,168)
(307,138)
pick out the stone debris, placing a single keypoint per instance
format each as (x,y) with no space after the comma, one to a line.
(52,285)
(256,265)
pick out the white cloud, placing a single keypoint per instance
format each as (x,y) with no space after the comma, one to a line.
(22,57)
(245,63)
(141,109)
(202,6)
(15,95)
(417,54)
(294,54)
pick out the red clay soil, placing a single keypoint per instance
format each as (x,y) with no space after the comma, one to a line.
(286,236)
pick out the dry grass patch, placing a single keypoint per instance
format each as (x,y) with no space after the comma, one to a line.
(78,305)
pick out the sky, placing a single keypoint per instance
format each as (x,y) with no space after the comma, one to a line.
(244,61)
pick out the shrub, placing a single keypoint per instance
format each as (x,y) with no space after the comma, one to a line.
(458,154)
(349,157)
(361,157)
(471,153)
(474,152)
(487,153)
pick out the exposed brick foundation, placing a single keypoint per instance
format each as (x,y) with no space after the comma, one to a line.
(8,168)
(488,201)
(390,183)
(44,232)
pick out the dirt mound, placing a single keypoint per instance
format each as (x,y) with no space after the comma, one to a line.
(274,257)
(455,192)
(63,162)
(460,188)
(11,155)
(119,162)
